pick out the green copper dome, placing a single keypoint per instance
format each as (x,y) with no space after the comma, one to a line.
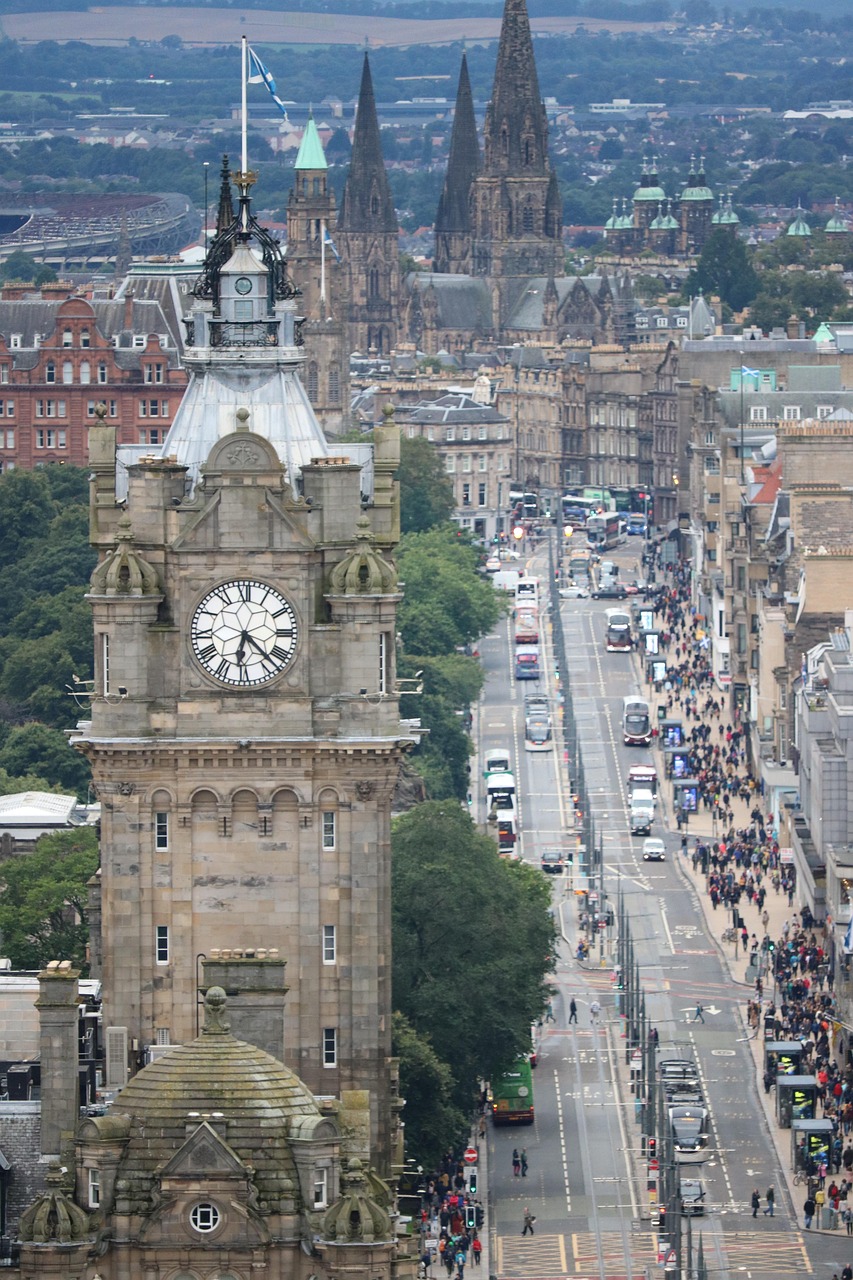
(649,189)
(310,154)
(799,227)
(837,225)
(697,188)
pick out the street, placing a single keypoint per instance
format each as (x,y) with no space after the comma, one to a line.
(586,1177)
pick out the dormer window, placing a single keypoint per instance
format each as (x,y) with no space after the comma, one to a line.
(321,1188)
(67,338)
(94,1188)
(84,338)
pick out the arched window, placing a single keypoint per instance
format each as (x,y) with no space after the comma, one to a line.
(528,151)
(374,205)
(312,380)
(373,283)
(67,338)
(504,141)
(67,372)
(527,219)
(334,386)
(84,338)
(50,372)
(85,373)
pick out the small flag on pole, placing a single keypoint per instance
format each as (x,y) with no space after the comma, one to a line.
(330,242)
(848,938)
(258,74)
(745,373)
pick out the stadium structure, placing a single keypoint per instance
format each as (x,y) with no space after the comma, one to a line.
(83,232)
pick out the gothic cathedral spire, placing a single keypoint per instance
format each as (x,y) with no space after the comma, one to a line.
(368,233)
(516,209)
(453,219)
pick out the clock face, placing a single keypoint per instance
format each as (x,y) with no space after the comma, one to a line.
(243,284)
(243,633)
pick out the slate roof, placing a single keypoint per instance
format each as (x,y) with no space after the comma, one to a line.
(455,407)
(37,317)
(529,308)
(258,1097)
(463,302)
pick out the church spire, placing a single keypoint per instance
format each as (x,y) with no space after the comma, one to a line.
(516,131)
(225,211)
(367,204)
(453,219)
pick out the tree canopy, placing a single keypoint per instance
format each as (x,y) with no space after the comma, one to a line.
(43,900)
(473,941)
(725,268)
(426,494)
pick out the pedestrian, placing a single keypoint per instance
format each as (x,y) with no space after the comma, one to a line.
(756,1201)
(771,1201)
(594,1011)
(808,1212)
(524,1162)
(847,1219)
(573,1010)
(549,1013)
(516,1162)
(476,1249)
(699,1014)
(847,1273)
(529,1219)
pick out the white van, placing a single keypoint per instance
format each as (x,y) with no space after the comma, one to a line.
(641,814)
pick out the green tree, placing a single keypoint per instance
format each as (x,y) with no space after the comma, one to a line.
(43,902)
(725,268)
(433,1122)
(451,684)
(447,603)
(37,748)
(473,942)
(426,494)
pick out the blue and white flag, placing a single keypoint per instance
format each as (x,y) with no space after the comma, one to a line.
(804,671)
(848,937)
(747,373)
(334,248)
(258,74)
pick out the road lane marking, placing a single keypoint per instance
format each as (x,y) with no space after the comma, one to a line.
(564,1151)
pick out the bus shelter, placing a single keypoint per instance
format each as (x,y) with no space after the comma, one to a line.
(676,762)
(783,1057)
(811,1142)
(685,793)
(671,732)
(796,1099)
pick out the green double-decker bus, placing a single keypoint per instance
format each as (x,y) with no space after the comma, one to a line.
(511,1095)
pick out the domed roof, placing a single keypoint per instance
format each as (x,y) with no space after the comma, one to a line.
(799,227)
(222,1080)
(697,188)
(649,189)
(837,225)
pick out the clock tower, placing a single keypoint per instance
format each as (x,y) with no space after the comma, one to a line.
(244,733)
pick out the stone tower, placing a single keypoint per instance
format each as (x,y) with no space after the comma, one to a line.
(516,209)
(312,258)
(453,219)
(696,210)
(244,733)
(367,234)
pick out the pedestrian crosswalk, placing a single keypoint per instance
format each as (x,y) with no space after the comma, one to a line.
(617,1255)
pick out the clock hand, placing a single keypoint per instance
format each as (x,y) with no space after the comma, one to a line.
(240,655)
(260,648)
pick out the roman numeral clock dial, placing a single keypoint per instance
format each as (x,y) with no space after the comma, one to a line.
(243,633)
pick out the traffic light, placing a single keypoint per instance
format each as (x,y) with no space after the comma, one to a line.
(480,1215)
(653,1148)
(662,1222)
(470,1216)
(771,946)
(472,1182)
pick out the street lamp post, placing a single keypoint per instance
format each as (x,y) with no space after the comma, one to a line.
(204,237)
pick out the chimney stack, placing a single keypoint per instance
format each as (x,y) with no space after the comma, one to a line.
(60,1085)
(253,980)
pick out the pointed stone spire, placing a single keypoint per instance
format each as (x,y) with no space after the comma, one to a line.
(225,212)
(367,204)
(463,163)
(516,132)
(453,219)
(310,154)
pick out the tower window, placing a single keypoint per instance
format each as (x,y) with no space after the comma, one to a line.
(385,662)
(161,830)
(329,829)
(374,205)
(321,1188)
(527,218)
(204,1217)
(105,662)
(373,283)
(312,381)
(334,386)
(330,1047)
(330,945)
(161,944)
(94,1188)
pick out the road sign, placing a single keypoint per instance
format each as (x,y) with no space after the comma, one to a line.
(636,1060)
(470,1155)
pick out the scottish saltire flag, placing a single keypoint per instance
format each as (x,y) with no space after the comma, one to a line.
(334,248)
(848,938)
(746,373)
(258,74)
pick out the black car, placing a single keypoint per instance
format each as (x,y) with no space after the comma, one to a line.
(553,861)
(610,591)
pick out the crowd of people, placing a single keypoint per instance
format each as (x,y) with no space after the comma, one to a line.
(452,1215)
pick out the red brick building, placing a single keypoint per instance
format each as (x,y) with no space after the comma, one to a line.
(59,359)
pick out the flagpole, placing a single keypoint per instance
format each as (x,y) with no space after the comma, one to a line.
(244,154)
(323,265)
